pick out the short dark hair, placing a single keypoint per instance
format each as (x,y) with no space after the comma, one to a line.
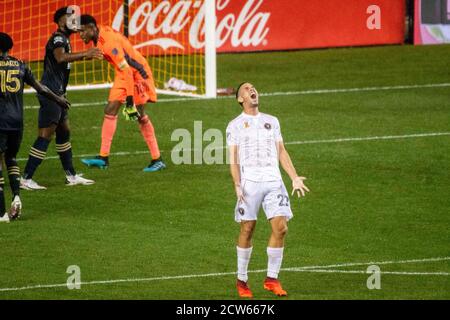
(87,19)
(6,42)
(61,12)
(238,88)
(237,92)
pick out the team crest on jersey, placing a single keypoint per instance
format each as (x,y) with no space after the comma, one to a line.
(241,211)
(267,126)
(246,125)
(58,39)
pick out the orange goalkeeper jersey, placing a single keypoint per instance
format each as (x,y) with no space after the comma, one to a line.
(129,64)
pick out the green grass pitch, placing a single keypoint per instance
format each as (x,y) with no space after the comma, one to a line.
(371,200)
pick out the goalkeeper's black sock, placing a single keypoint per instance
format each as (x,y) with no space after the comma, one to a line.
(106,159)
(2,195)
(36,156)
(64,149)
(14,175)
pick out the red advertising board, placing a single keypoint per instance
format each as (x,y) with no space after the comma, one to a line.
(297,24)
(242,25)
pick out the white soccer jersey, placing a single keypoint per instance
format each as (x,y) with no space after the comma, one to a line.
(257,138)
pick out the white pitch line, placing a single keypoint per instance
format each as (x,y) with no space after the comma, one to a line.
(287,93)
(346,90)
(353,264)
(121,281)
(406,136)
(407,273)
(298,269)
(120,153)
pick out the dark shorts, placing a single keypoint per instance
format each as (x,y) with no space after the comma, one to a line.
(10,142)
(50,113)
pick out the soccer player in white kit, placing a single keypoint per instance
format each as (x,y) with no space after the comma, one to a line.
(256,148)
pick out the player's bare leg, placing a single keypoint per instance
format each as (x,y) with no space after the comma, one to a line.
(244,252)
(148,133)
(64,150)
(36,156)
(275,255)
(108,130)
(279,231)
(112,108)
(246,234)
(47,133)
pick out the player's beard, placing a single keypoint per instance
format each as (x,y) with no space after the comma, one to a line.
(68,31)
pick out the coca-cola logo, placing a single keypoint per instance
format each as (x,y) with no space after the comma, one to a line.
(246,28)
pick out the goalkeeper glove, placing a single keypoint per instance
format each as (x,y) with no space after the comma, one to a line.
(130,112)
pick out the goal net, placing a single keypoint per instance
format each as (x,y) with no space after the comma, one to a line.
(176,37)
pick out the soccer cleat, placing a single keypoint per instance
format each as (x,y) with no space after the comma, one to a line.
(78,179)
(155,165)
(5,218)
(274,285)
(243,289)
(16,208)
(98,161)
(30,184)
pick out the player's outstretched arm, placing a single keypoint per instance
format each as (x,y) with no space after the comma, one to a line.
(62,56)
(130,112)
(235,172)
(288,166)
(43,90)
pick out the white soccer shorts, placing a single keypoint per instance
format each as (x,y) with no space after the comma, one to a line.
(272,195)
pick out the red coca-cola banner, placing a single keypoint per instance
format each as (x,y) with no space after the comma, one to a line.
(158,27)
(253,25)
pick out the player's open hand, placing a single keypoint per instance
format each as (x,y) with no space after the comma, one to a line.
(239,193)
(63,102)
(94,53)
(299,186)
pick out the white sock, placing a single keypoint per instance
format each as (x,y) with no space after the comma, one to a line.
(275,257)
(243,258)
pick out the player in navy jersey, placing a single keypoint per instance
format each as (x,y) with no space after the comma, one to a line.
(52,119)
(13,74)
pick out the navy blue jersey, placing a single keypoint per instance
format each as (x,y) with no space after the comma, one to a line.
(56,75)
(13,74)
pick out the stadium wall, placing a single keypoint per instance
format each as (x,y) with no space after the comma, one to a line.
(242,25)
(300,24)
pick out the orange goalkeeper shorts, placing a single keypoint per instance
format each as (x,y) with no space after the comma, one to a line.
(144,89)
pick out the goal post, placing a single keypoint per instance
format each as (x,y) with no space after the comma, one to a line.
(210,49)
(177,37)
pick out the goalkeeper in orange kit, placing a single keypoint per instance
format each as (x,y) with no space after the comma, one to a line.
(133,85)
